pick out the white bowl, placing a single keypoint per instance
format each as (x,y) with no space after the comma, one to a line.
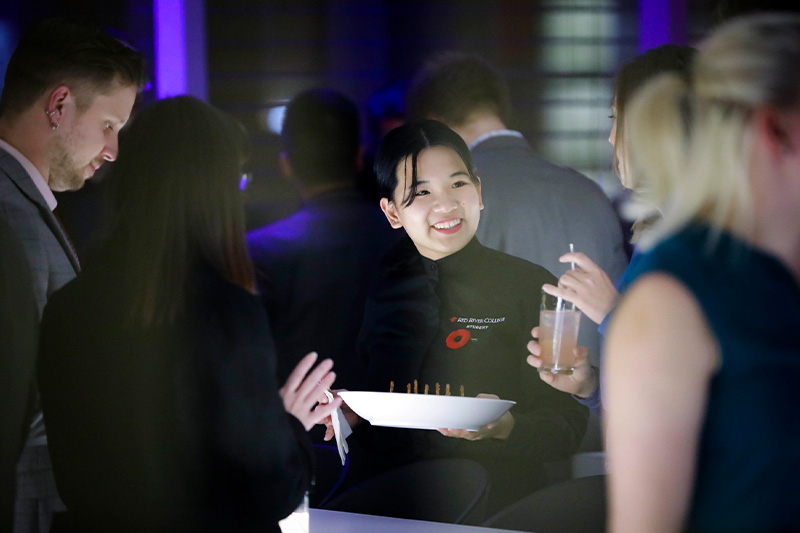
(424,411)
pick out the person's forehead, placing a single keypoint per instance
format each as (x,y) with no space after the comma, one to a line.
(442,155)
(119,101)
(431,157)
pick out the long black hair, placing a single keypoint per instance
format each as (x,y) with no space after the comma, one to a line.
(174,200)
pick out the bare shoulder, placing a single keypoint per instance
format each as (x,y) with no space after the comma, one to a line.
(660,356)
(660,316)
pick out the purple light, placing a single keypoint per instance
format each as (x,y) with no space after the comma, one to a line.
(170,43)
(662,22)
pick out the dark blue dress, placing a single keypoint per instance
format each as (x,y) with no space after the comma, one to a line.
(748,472)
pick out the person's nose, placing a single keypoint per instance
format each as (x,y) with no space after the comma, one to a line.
(111,148)
(445,203)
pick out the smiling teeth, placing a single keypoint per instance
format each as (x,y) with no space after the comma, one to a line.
(448,225)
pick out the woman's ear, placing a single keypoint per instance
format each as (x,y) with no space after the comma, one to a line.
(390,210)
(480,197)
(774,129)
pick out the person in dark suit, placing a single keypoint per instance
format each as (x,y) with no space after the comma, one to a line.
(19,323)
(534,209)
(315,267)
(160,396)
(69,88)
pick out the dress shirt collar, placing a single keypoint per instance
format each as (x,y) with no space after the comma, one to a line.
(33,172)
(494,133)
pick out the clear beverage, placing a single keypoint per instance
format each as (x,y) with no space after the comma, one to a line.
(558,352)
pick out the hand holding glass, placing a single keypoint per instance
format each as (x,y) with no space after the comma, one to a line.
(558,334)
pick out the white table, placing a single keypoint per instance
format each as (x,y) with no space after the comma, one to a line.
(322,521)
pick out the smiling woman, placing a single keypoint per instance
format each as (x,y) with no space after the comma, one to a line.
(429,286)
(440,201)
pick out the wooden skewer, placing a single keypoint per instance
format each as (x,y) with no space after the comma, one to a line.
(437,388)
(416,390)
(408,388)
(462,391)
(426,388)
(447,390)
(391,386)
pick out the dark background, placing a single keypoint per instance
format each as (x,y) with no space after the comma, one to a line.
(558,56)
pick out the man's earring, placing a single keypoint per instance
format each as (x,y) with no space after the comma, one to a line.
(54,125)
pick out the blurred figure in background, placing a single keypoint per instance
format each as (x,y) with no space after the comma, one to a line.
(68,90)
(156,365)
(314,268)
(588,286)
(386,110)
(703,353)
(729,9)
(534,208)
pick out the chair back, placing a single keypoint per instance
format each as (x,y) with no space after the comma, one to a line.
(574,506)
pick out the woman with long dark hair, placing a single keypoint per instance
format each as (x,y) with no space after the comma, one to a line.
(157,368)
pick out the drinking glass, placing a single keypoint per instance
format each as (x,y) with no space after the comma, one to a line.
(558,334)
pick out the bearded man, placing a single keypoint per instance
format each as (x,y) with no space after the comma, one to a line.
(69,88)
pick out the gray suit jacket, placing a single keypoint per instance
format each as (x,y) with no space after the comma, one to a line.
(50,257)
(18,333)
(534,209)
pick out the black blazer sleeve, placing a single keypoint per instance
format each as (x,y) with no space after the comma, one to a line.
(400,319)
(264,456)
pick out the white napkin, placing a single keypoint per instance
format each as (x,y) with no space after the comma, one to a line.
(341,429)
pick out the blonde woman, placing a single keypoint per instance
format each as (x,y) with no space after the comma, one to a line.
(703,353)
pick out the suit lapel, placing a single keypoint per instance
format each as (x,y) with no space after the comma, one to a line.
(58,230)
(24,183)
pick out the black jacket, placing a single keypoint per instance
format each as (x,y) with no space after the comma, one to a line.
(466,320)
(171,428)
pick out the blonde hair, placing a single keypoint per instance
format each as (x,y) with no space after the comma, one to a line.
(631,77)
(690,142)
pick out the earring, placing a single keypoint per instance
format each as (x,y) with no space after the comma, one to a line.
(54,125)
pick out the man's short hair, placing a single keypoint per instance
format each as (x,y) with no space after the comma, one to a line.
(74,53)
(320,136)
(453,85)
